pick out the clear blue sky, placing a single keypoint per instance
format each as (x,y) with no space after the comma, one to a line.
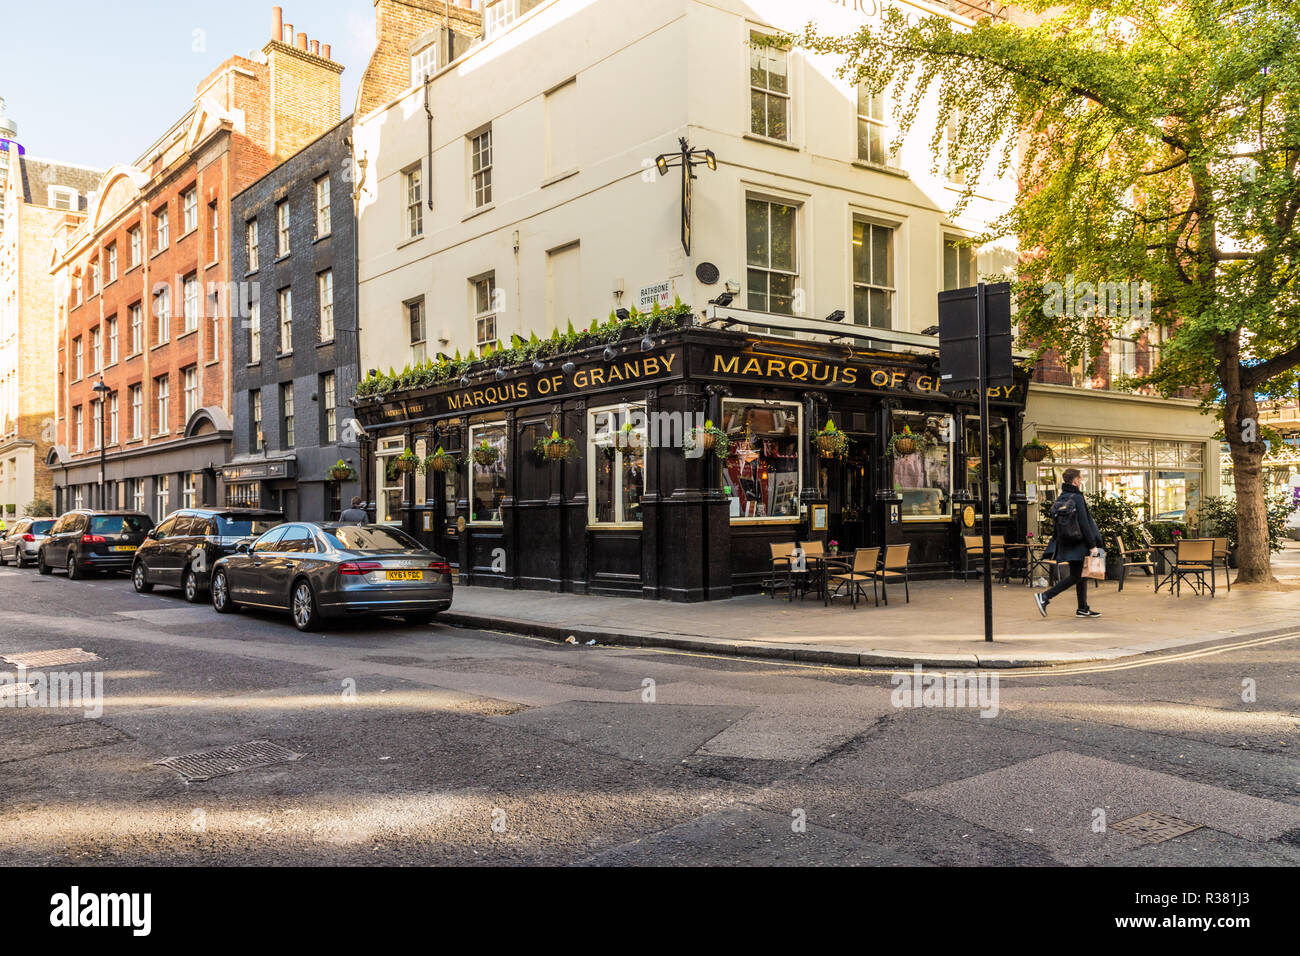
(96,82)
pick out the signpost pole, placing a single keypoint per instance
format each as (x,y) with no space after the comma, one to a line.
(985,523)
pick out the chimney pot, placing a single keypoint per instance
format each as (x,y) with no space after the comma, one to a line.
(325,50)
(315,47)
(277,23)
(288,31)
(302,41)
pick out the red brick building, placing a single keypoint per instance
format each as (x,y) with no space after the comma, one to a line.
(144,288)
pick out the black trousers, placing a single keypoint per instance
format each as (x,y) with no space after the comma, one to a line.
(1077,579)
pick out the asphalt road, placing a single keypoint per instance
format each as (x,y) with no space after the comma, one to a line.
(443,746)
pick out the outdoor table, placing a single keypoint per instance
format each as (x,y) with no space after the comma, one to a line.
(1013,555)
(1035,561)
(819,568)
(1170,554)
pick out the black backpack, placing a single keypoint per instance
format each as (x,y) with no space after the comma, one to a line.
(1065,515)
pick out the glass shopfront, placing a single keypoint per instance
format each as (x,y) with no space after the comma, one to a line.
(1163,480)
(924,476)
(998,464)
(487,480)
(616,449)
(763,464)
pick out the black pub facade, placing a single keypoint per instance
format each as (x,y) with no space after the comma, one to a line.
(631,511)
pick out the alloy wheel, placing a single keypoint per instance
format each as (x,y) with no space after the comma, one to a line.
(191,586)
(304,610)
(220,593)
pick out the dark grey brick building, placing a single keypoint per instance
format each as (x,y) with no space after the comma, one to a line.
(294,354)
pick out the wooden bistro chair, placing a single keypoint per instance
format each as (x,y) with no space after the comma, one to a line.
(973,551)
(864,570)
(1221,558)
(1194,559)
(894,569)
(781,564)
(1138,558)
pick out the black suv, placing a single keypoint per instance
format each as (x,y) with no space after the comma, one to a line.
(180,552)
(83,541)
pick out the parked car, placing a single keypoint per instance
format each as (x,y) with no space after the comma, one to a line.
(24,540)
(181,551)
(83,541)
(318,571)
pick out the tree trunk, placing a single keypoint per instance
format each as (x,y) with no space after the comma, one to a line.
(1253,556)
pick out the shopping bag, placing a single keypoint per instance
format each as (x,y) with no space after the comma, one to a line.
(1094,566)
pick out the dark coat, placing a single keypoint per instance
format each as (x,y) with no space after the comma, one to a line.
(1091,535)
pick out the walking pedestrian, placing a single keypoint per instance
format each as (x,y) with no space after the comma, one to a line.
(1074,536)
(354,515)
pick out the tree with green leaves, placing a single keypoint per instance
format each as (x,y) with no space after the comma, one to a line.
(1156,143)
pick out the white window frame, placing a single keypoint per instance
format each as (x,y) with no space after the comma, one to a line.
(288,424)
(137,494)
(801,444)
(256,436)
(112,418)
(162,389)
(162,229)
(111,353)
(282,223)
(78,419)
(413,192)
(162,313)
(254,332)
(190,386)
(77,359)
(484,320)
(135,324)
(285,321)
(162,495)
(189,210)
(189,491)
(951,240)
(498,15)
(110,258)
(876,126)
(190,292)
(769,55)
(325,298)
(480,167)
(322,193)
(474,431)
(329,405)
(890,290)
(96,349)
(63,194)
(595,450)
(136,394)
(385,449)
(135,237)
(250,245)
(424,62)
(768,269)
(419,344)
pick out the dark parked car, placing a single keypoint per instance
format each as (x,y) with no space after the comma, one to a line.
(181,551)
(316,571)
(83,541)
(24,540)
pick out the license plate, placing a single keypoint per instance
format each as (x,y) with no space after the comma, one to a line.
(123,547)
(405,575)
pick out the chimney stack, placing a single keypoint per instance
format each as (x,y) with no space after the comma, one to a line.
(325,50)
(315,47)
(277,23)
(302,41)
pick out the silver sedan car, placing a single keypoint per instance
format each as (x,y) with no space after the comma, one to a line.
(317,571)
(23,541)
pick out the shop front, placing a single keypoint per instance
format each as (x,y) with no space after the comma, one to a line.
(667,465)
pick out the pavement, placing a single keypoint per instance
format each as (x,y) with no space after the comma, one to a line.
(442,745)
(942,625)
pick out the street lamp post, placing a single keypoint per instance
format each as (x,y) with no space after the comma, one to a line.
(102,391)
(687,158)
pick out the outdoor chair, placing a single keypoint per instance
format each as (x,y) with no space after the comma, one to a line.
(1194,559)
(1137,558)
(894,568)
(973,551)
(780,565)
(1221,558)
(864,570)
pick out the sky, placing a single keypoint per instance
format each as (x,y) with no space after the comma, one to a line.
(95,83)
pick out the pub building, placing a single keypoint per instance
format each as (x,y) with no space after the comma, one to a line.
(630,512)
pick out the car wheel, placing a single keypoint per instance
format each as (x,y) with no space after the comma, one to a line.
(74,573)
(140,579)
(190,585)
(306,616)
(221,600)
(417,620)
(41,566)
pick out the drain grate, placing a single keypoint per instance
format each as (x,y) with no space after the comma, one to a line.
(1153,827)
(207,764)
(15,691)
(66,655)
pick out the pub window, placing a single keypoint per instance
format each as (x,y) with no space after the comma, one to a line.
(769,90)
(487,482)
(873,274)
(924,476)
(388,502)
(771,255)
(616,443)
(761,474)
(873,128)
(999,473)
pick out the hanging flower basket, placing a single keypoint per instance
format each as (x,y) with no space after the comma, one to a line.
(707,439)
(555,447)
(486,454)
(404,464)
(629,442)
(1035,450)
(906,442)
(905,446)
(440,461)
(341,471)
(831,442)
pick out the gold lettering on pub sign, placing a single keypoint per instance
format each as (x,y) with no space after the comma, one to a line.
(829,373)
(615,373)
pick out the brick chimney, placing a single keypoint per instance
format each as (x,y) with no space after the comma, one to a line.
(305,85)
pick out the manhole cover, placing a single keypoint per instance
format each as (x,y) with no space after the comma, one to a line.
(207,764)
(15,691)
(1152,827)
(66,655)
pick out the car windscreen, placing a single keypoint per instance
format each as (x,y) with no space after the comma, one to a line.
(360,538)
(244,527)
(119,524)
(41,527)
